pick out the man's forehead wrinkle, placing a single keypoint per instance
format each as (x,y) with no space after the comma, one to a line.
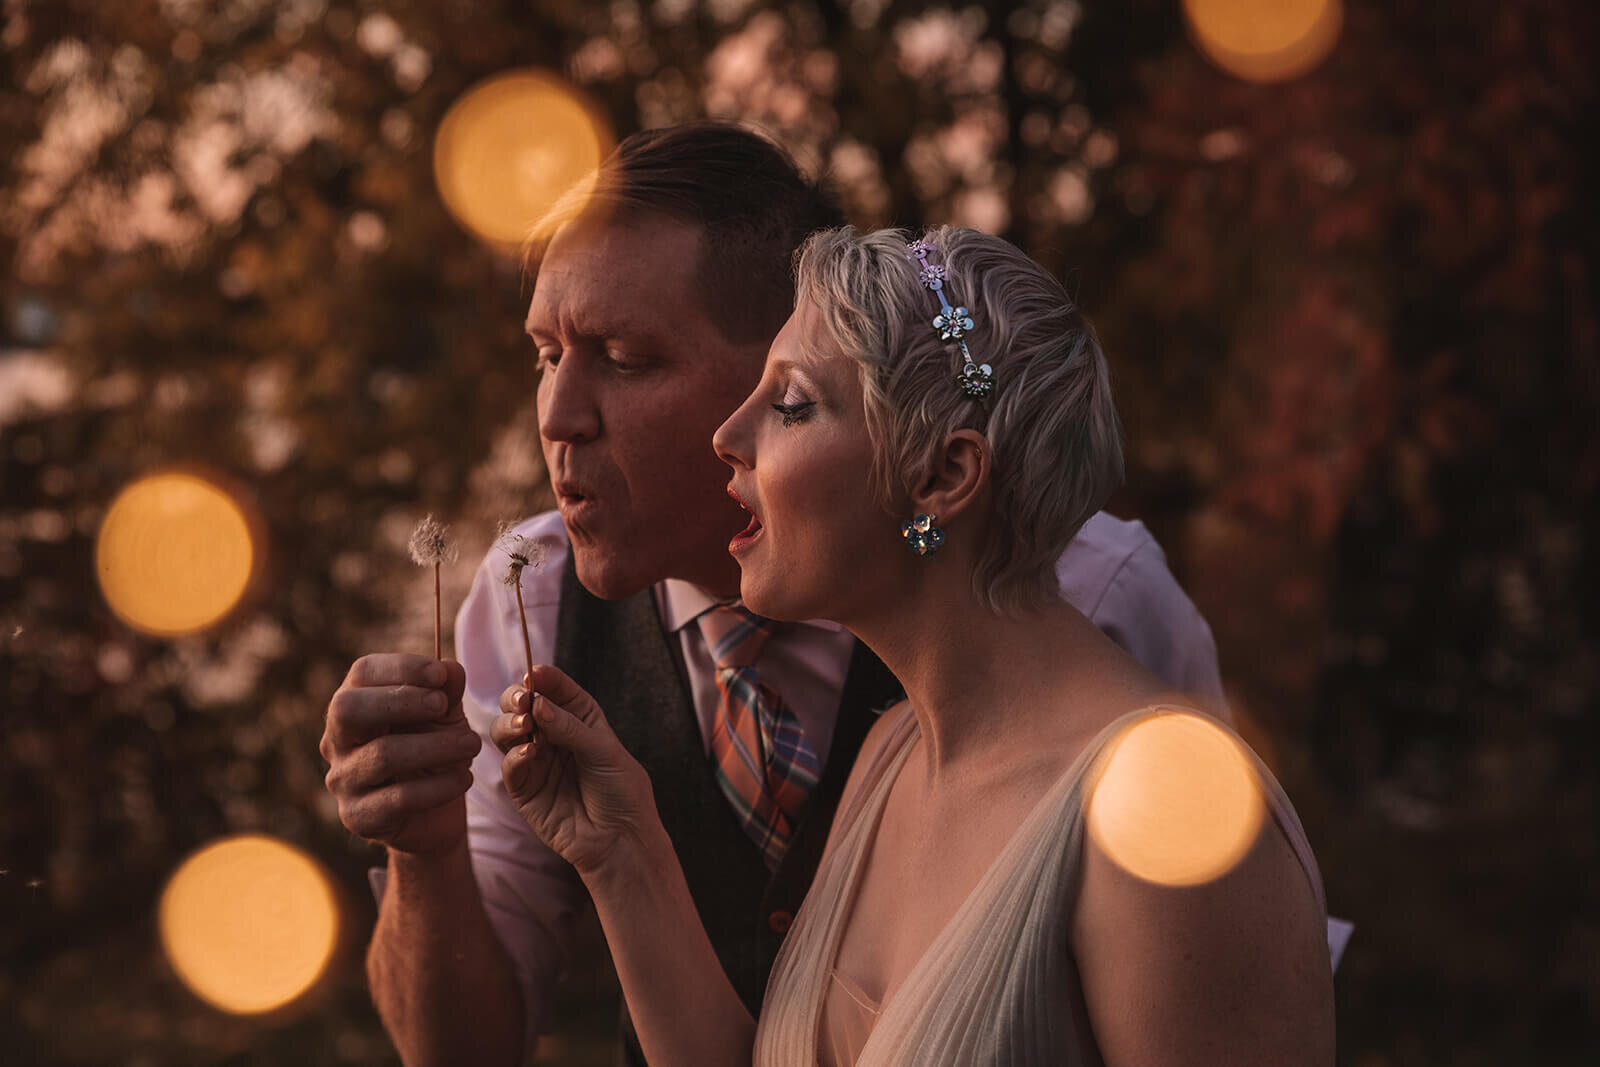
(588,318)
(593,277)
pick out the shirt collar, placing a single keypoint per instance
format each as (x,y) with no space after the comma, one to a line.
(681,603)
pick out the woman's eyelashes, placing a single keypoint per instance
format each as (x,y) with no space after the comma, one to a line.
(797,411)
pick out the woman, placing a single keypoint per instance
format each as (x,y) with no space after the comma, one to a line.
(932,426)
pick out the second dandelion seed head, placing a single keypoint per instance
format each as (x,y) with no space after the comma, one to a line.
(522,551)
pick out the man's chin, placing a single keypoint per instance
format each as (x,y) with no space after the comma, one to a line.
(605,574)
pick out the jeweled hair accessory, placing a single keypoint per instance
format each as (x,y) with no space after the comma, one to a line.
(952,323)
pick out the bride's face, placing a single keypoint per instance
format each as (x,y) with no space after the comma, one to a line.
(820,545)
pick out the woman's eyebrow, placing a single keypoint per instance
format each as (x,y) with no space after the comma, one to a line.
(797,372)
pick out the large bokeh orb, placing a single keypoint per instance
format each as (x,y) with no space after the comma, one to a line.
(249,923)
(1179,802)
(1265,40)
(510,148)
(175,553)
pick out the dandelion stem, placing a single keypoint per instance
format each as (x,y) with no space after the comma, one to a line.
(436,610)
(527,649)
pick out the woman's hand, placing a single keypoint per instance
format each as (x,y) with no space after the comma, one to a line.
(589,800)
(568,774)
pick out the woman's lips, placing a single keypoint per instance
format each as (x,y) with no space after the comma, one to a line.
(744,537)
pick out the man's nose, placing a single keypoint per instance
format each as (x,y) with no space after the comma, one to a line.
(567,408)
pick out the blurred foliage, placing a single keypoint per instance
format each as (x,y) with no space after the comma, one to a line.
(1352,320)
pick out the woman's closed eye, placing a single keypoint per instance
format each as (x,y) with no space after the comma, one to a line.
(794,412)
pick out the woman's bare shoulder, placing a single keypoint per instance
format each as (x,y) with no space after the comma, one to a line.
(1194,906)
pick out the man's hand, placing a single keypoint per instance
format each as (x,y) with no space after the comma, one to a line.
(399,752)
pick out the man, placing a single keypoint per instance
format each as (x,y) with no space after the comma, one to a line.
(652,310)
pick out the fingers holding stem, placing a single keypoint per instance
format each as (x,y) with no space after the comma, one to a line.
(523,744)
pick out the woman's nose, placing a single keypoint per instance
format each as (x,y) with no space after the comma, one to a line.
(730,441)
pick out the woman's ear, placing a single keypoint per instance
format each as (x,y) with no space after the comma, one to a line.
(960,473)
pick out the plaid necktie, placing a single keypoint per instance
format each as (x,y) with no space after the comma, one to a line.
(764,765)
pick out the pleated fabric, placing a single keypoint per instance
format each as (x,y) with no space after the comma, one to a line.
(997,985)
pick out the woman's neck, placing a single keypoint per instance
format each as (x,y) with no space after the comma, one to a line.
(976,680)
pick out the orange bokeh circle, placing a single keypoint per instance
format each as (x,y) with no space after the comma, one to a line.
(1265,40)
(510,148)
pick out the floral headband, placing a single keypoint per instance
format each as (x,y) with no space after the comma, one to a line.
(952,324)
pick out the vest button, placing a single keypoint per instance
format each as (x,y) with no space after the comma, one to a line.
(780,921)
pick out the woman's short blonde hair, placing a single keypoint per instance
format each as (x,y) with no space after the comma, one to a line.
(1053,434)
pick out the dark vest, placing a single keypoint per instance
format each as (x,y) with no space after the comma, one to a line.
(633,667)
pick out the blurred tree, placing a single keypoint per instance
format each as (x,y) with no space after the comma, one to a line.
(1353,324)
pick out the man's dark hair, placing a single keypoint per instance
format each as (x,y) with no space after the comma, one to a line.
(754,204)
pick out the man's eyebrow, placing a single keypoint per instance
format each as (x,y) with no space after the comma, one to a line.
(591,324)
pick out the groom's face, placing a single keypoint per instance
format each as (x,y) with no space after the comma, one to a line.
(635,379)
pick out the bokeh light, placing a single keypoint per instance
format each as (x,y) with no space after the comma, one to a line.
(249,923)
(1179,801)
(510,148)
(175,554)
(1265,40)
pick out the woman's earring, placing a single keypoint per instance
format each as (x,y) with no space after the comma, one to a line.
(922,536)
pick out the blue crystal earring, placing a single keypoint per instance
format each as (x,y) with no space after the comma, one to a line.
(922,536)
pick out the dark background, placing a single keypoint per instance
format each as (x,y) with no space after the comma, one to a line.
(1352,324)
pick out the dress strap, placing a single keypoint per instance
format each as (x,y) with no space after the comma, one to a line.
(886,753)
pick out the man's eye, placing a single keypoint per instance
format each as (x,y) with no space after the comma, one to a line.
(793,413)
(547,358)
(625,361)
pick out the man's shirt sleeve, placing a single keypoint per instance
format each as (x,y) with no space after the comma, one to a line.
(1116,574)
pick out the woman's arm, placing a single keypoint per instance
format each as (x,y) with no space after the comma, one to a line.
(684,1008)
(591,802)
(1231,970)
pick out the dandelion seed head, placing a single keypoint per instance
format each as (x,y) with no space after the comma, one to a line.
(538,553)
(431,544)
(523,551)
